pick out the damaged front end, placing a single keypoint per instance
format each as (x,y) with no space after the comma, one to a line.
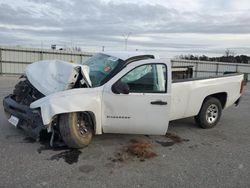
(41,79)
(24,117)
(53,76)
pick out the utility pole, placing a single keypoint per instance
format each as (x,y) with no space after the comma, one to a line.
(41,44)
(71,58)
(1,64)
(126,36)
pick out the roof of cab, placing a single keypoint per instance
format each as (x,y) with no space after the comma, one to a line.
(124,55)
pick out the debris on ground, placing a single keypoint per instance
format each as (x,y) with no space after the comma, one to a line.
(141,149)
(174,139)
(119,157)
(165,144)
(136,148)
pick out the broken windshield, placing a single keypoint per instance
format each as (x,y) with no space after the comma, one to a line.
(101,66)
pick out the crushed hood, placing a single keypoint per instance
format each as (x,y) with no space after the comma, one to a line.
(51,76)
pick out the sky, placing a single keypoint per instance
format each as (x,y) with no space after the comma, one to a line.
(166,27)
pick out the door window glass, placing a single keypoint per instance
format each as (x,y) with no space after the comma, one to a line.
(146,79)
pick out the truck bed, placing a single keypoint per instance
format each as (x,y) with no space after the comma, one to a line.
(189,94)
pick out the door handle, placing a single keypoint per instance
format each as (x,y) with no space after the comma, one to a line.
(159,103)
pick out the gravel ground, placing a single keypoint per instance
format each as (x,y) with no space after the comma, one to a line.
(218,157)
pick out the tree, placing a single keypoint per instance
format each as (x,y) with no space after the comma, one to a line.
(228,57)
(229,53)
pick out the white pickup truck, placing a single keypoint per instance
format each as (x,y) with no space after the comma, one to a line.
(114,92)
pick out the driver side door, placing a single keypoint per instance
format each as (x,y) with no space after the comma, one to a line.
(145,109)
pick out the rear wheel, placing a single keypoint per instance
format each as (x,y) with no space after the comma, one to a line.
(209,114)
(76,129)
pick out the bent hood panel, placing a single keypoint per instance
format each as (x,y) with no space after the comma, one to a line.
(51,76)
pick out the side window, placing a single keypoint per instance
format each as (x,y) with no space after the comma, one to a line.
(148,78)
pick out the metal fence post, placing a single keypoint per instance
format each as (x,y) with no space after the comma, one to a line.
(41,55)
(196,69)
(1,64)
(81,58)
(217,68)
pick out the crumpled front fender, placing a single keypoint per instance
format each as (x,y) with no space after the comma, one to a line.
(75,100)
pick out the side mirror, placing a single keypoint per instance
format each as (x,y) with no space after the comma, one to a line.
(120,87)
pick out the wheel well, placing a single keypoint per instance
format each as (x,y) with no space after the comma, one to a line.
(91,117)
(222,97)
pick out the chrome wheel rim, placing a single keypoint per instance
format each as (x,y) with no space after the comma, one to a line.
(81,126)
(212,113)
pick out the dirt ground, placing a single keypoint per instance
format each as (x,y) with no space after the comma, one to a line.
(187,156)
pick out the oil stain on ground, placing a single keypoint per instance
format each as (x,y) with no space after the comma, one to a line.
(174,139)
(29,140)
(70,156)
(86,168)
(12,136)
(45,144)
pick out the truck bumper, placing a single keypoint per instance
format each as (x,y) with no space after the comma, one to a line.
(28,119)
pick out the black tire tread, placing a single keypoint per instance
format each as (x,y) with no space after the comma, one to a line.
(200,119)
(67,132)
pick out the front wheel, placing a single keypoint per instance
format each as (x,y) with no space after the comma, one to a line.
(209,114)
(76,129)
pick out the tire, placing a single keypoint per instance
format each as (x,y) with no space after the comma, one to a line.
(209,114)
(75,129)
